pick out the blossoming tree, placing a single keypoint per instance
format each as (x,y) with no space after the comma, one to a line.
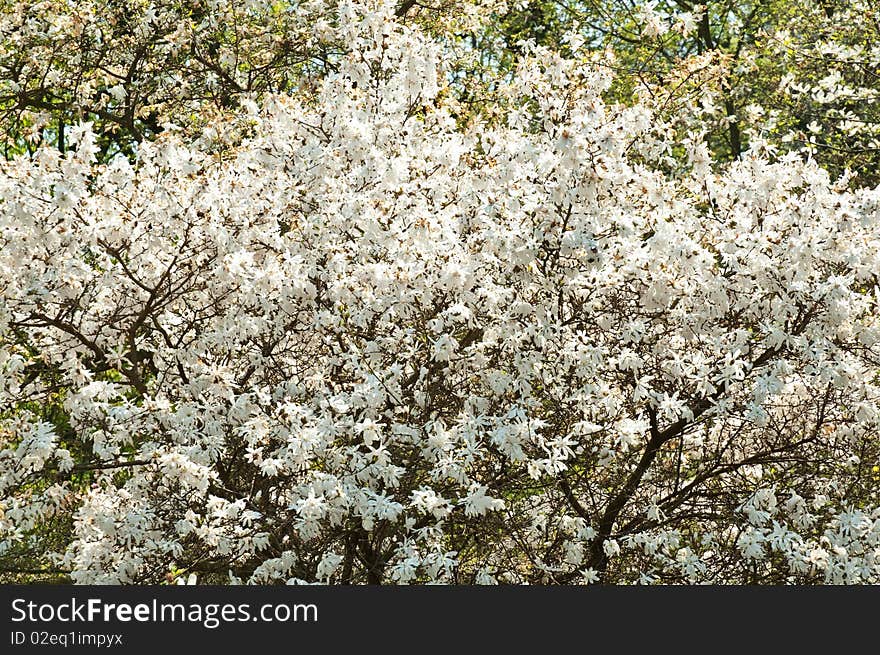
(384,341)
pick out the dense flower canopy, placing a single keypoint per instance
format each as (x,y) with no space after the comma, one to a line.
(354,333)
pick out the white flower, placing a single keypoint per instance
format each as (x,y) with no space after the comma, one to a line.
(444,348)
(478,503)
(118,92)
